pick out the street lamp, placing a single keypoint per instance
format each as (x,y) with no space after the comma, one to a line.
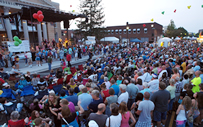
(127,28)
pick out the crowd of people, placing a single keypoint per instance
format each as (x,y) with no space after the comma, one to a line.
(131,85)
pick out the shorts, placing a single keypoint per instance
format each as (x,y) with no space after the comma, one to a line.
(158,116)
(29,60)
(37,59)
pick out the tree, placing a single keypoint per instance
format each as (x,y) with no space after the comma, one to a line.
(173,32)
(94,11)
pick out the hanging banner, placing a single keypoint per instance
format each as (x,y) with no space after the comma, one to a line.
(23,47)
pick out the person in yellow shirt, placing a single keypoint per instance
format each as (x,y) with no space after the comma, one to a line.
(196,81)
(184,66)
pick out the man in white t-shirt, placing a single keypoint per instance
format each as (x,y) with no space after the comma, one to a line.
(124,94)
(147,77)
(107,83)
(163,70)
(154,84)
(93,77)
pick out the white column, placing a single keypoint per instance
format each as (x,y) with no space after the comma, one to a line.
(44,30)
(25,30)
(39,32)
(8,24)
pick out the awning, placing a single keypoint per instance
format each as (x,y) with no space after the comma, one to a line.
(135,40)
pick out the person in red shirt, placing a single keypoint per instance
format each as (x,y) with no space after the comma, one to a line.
(104,91)
(1,81)
(68,58)
(14,122)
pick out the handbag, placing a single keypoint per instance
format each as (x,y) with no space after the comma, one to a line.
(66,123)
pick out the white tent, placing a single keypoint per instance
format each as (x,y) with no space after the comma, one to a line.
(177,39)
(193,38)
(165,40)
(111,39)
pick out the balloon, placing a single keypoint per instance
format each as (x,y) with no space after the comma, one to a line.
(202,6)
(163,12)
(162,44)
(35,15)
(41,16)
(175,11)
(189,7)
(16,43)
(168,43)
(39,12)
(73,11)
(152,19)
(70,5)
(40,20)
(19,41)
(15,38)
(144,25)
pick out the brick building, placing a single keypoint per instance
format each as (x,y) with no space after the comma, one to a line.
(149,32)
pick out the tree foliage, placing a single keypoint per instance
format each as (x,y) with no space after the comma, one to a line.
(172,31)
(94,11)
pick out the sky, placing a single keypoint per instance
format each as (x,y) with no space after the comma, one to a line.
(118,12)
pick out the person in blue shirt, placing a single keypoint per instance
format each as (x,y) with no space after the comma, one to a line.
(72,97)
(115,87)
(197,67)
(85,98)
(201,75)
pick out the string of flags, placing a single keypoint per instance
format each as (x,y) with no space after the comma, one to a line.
(163,12)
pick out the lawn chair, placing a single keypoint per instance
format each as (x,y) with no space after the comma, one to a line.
(57,89)
(27,90)
(7,93)
(9,109)
(80,67)
(73,70)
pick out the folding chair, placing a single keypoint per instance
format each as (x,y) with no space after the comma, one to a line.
(9,109)
(27,90)
(57,89)
(68,78)
(7,93)
(80,67)
(84,81)
(73,70)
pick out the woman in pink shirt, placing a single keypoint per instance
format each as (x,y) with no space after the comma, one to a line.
(126,115)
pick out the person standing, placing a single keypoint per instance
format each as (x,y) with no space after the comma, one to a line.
(1,59)
(5,57)
(68,58)
(144,111)
(99,117)
(49,61)
(160,99)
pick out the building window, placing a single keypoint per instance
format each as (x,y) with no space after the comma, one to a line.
(109,31)
(116,31)
(124,31)
(112,31)
(138,30)
(145,30)
(129,31)
(134,31)
(120,31)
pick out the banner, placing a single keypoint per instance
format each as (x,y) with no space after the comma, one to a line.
(23,47)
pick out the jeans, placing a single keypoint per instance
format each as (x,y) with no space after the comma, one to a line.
(170,104)
(2,62)
(49,64)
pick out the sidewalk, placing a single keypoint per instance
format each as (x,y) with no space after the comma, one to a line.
(55,64)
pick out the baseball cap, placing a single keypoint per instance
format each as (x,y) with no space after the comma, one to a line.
(154,75)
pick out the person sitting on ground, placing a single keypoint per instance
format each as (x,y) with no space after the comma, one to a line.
(14,122)
(70,117)
(35,105)
(41,82)
(72,84)
(40,123)
(35,81)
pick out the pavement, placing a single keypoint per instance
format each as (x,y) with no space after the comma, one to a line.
(55,64)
